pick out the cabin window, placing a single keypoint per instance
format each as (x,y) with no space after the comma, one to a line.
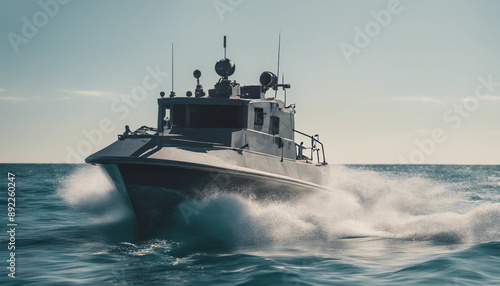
(207,116)
(275,125)
(259,116)
(179,116)
(215,116)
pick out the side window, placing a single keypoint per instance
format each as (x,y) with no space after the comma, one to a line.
(259,116)
(179,115)
(275,125)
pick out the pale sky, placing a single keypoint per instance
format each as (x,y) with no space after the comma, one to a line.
(380,81)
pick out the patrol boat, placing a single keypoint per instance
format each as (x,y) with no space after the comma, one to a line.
(233,140)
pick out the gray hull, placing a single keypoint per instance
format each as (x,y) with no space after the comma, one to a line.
(158,181)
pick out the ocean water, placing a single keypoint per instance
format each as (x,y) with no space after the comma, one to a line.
(378,225)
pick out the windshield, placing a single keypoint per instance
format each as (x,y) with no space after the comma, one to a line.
(207,116)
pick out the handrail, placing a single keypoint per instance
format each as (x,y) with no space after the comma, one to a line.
(313,146)
(139,133)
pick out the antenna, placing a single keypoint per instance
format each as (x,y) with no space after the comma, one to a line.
(224,46)
(278,69)
(172,93)
(283,84)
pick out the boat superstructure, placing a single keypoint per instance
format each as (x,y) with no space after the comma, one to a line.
(232,138)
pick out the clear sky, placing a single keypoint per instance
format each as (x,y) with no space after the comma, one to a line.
(381,81)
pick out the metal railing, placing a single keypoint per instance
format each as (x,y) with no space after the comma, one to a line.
(142,132)
(314,142)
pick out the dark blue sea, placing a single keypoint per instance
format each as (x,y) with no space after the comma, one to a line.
(378,225)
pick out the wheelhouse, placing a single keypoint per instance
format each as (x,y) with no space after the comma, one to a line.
(180,115)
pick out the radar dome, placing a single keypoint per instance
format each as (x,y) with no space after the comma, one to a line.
(225,67)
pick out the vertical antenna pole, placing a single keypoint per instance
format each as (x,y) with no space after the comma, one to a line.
(224,46)
(172,93)
(278,69)
(172,66)
(283,83)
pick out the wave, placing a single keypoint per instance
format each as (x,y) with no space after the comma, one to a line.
(88,189)
(359,203)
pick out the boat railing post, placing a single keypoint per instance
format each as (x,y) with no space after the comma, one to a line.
(322,152)
(316,138)
(312,149)
(282,149)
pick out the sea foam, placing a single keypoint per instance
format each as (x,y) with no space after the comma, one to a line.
(89,190)
(359,203)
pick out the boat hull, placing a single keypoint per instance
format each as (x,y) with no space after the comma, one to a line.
(155,180)
(159,192)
